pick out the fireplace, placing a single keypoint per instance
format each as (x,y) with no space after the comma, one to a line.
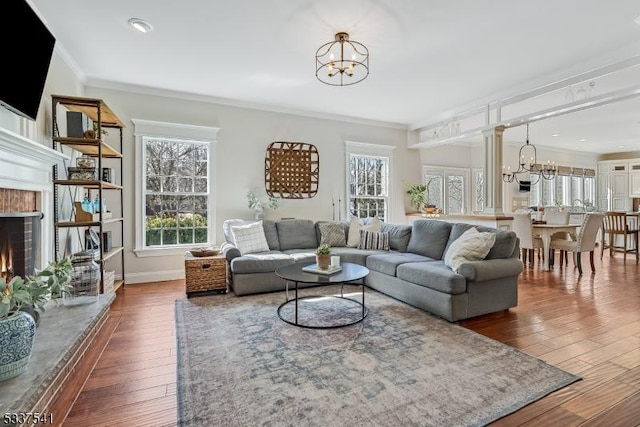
(19,243)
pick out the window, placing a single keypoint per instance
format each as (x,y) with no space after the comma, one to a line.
(571,187)
(175,204)
(478,190)
(368,171)
(448,189)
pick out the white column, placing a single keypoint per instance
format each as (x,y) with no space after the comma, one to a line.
(493,171)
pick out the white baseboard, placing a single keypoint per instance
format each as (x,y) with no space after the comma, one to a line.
(154,276)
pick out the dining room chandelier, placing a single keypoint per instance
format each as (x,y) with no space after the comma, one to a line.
(531,170)
(342,62)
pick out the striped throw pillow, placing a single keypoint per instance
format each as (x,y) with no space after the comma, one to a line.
(371,240)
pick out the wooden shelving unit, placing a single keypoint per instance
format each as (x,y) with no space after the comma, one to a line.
(101,116)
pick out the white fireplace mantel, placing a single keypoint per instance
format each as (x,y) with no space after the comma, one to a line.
(26,164)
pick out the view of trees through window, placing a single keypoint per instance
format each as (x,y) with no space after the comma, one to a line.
(564,190)
(176,192)
(368,184)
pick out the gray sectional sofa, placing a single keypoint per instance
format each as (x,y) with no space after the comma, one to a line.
(412,270)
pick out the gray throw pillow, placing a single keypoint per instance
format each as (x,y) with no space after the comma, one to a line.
(332,234)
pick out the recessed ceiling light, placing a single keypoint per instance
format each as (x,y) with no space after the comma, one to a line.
(582,140)
(140,25)
(555,134)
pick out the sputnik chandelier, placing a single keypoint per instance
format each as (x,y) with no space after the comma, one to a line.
(546,171)
(342,62)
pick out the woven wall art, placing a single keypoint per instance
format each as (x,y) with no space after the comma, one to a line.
(291,170)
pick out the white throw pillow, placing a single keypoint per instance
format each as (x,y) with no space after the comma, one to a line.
(471,246)
(355,225)
(250,238)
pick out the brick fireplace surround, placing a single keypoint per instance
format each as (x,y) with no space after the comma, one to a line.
(12,200)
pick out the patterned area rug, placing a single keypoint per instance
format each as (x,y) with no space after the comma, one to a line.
(239,364)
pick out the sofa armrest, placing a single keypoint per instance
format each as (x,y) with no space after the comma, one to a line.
(489,269)
(230,251)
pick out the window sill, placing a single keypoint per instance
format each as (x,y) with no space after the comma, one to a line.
(153,252)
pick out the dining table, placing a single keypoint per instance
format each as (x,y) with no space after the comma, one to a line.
(545,231)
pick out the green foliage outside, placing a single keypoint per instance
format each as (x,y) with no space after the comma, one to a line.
(182,229)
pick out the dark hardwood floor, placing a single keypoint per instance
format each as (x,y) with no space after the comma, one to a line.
(588,325)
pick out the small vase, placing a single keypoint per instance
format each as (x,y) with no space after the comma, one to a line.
(17,334)
(323,261)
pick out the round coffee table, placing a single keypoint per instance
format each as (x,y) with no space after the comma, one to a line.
(346,315)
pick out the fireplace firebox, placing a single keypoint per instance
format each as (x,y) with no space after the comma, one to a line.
(19,243)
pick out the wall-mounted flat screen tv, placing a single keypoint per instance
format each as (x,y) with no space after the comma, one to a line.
(26,53)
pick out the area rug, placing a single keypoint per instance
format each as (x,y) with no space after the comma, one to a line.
(239,364)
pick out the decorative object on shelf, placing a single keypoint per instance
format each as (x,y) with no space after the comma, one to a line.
(20,306)
(86,162)
(291,170)
(546,171)
(84,286)
(323,256)
(350,66)
(258,206)
(84,174)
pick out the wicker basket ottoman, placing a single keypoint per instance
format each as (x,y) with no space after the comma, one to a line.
(205,275)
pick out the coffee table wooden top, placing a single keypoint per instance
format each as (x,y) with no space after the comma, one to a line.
(349,273)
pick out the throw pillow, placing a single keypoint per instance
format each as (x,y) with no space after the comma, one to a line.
(472,245)
(332,234)
(355,225)
(250,238)
(371,240)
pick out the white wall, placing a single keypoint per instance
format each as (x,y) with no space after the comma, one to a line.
(242,141)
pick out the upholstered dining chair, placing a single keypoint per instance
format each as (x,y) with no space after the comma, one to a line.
(561,217)
(528,243)
(585,241)
(615,228)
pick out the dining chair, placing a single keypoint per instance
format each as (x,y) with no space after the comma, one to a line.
(617,231)
(585,240)
(561,217)
(528,243)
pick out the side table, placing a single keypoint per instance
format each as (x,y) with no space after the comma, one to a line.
(205,275)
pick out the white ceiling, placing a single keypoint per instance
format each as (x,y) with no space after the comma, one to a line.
(428,59)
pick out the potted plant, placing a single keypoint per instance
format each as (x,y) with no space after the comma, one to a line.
(21,302)
(323,256)
(416,193)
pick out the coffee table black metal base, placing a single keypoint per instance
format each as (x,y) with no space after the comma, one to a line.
(349,311)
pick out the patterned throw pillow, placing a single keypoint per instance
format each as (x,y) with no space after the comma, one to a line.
(332,234)
(371,240)
(250,238)
(472,245)
(373,224)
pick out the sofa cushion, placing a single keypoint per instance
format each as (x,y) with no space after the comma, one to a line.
(388,263)
(504,246)
(429,237)
(250,238)
(296,234)
(332,233)
(434,275)
(471,246)
(269,231)
(266,262)
(399,235)
(354,255)
(371,240)
(356,224)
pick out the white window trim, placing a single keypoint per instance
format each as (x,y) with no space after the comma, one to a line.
(146,128)
(368,149)
(445,171)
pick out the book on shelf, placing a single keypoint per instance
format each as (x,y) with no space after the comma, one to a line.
(313,268)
